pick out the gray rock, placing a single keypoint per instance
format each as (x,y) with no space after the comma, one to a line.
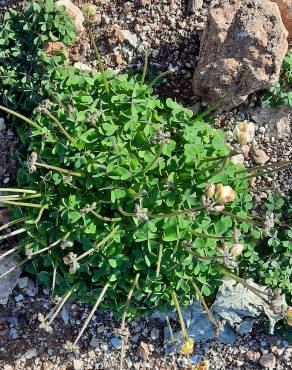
(234,58)
(65,315)
(19,298)
(268,361)
(2,124)
(13,333)
(31,353)
(116,342)
(77,364)
(9,281)
(131,38)
(154,334)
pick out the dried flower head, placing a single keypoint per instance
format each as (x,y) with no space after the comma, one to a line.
(244,132)
(88,208)
(31,163)
(224,194)
(28,251)
(161,137)
(71,261)
(71,347)
(269,222)
(229,260)
(66,244)
(187,347)
(141,213)
(46,327)
(89,10)
(210,190)
(237,249)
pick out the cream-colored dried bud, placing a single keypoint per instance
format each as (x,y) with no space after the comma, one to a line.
(224,194)
(187,347)
(71,347)
(71,261)
(46,327)
(89,10)
(244,132)
(210,190)
(237,249)
(41,317)
(218,207)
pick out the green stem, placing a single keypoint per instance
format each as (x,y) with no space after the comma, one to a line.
(145,67)
(159,77)
(40,214)
(159,260)
(12,233)
(104,218)
(58,307)
(263,173)
(202,258)
(19,197)
(58,123)
(156,158)
(212,107)
(59,169)
(11,223)
(180,316)
(240,218)
(203,303)
(12,250)
(244,283)
(22,204)
(100,298)
(12,190)
(100,244)
(177,213)
(14,268)
(215,237)
(99,60)
(23,118)
(266,166)
(123,324)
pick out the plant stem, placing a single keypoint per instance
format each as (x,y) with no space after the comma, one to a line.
(240,218)
(40,214)
(58,307)
(263,173)
(8,224)
(211,107)
(266,166)
(159,260)
(155,160)
(14,268)
(159,77)
(244,283)
(203,303)
(12,250)
(18,197)
(180,316)
(100,244)
(59,169)
(99,60)
(123,324)
(28,191)
(202,258)
(104,218)
(100,298)
(58,123)
(23,118)
(215,237)
(145,67)
(169,328)
(177,213)
(22,204)
(12,233)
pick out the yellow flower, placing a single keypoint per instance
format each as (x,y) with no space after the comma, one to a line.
(224,194)
(187,347)
(237,249)
(89,10)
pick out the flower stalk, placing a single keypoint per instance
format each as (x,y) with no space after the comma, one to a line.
(159,260)
(22,117)
(87,321)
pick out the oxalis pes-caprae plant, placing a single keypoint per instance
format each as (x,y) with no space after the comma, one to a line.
(126,201)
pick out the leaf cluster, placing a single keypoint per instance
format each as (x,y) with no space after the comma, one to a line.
(23,36)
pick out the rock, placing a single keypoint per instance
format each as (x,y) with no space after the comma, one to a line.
(119,58)
(144,350)
(268,361)
(7,367)
(94,342)
(260,157)
(2,124)
(82,67)
(237,159)
(75,14)
(285,7)
(131,38)
(154,334)
(234,59)
(77,364)
(194,5)
(9,281)
(279,120)
(19,298)
(143,2)
(55,47)
(116,342)
(65,315)
(31,353)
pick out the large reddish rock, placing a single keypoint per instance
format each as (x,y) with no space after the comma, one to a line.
(286,13)
(242,50)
